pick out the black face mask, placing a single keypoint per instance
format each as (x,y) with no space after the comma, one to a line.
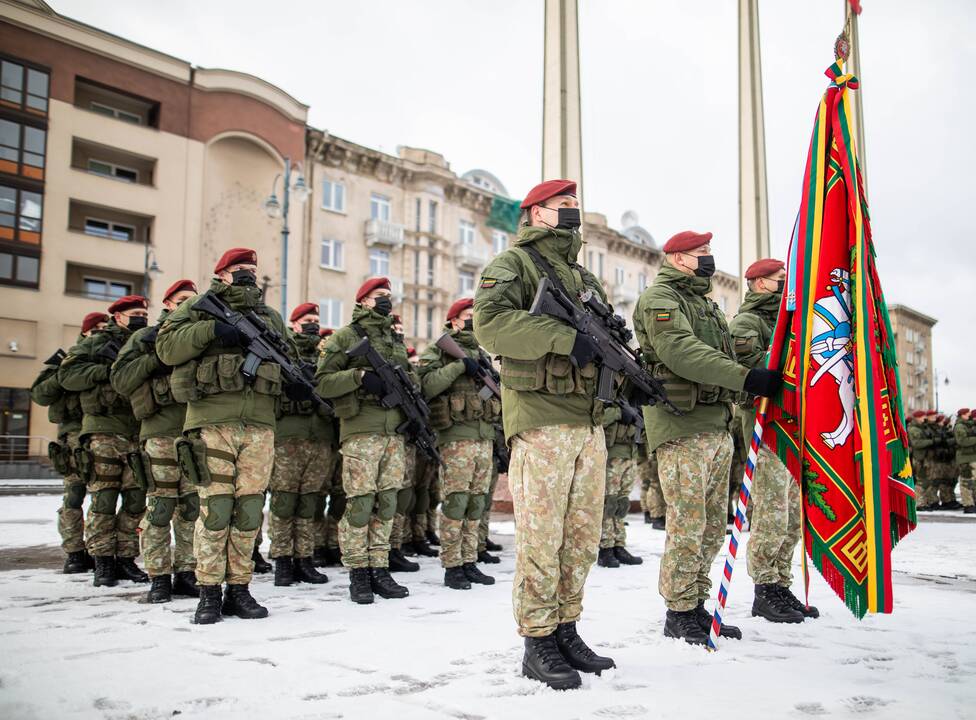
(468,325)
(137,322)
(569,218)
(247,278)
(310,328)
(780,284)
(384,305)
(706,266)
(398,337)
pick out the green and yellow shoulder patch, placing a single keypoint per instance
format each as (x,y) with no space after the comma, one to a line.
(662,315)
(488,283)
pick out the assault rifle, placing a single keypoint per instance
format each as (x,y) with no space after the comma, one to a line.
(631,415)
(500,452)
(261,344)
(610,334)
(486,373)
(399,391)
(56,358)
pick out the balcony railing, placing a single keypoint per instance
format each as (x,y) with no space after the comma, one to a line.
(381,232)
(470,255)
(623,295)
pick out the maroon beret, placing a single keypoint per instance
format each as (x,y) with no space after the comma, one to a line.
(179,285)
(397,320)
(687,240)
(458,307)
(303,310)
(325,332)
(549,189)
(411,351)
(370,285)
(931,412)
(127,303)
(764,268)
(92,319)
(963,411)
(919,414)
(236,256)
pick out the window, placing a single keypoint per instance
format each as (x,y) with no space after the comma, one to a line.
(110,230)
(432,217)
(430,323)
(417,226)
(330,312)
(619,275)
(642,282)
(599,259)
(430,268)
(20,215)
(333,196)
(466,284)
(116,113)
(590,260)
(107,169)
(379,263)
(466,233)
(909,357)
(22,149)
(18,269)
(332,252)
(100,289)
(499,241)
(723,303)
(379,207)
(23,88)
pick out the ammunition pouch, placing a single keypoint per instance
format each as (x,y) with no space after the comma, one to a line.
(153,395)
(60,456)
(85,463)
(191,456)
(102,400)
(552,373)
(346,406)
(139,465)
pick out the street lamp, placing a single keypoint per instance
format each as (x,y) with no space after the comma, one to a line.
(277,209)
(945,380)
(149,268)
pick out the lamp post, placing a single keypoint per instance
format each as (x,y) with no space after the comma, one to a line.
(149,269)
(276,209)
(944,378)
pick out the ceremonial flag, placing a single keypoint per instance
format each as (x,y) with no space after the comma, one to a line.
(839,424)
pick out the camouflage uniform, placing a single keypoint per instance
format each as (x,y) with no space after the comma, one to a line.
(621,473)
(406,499)
(327,531)
(964,433)
(652,499)
(423,500)
(945,457)
(921,437)
(484,525)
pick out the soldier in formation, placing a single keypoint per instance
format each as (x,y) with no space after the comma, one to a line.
(623,427)
(964,433)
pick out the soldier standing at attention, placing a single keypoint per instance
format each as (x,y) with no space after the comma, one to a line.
(686,343)
(921,440)
(553,420)
(652,499)
(327,523)
(619,422)
(303,463)
(64,409)
(108,435)
(964,432)
(228,443)
(948,475)
(775,522)
(466,434)
(499,467)
(141,376)
(373,453)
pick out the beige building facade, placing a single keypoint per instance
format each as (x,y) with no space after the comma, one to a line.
(913,344)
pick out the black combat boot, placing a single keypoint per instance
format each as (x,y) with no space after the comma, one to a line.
(544,662)
(360,589)
(384,585)
(456,579)
(795,603)
(261,566)
(320,557)
(969,509)
(208,609)
(607,558)
(126,569)
(705,621)
(161,590)
(647,518)
(684,625)
(333,557)
(185,584)
(238,601)
(105,571)
(658,523)
(421,547)
(472,573)
(492,546)
(432,538)
(75,563)
(284,572)
(486,557)
(398,563)
(951,505)
(407,549)
(770,604)
(625,558)
(89,561)
(305,572)
(577,653)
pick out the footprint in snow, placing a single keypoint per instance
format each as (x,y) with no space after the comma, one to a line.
(864,703)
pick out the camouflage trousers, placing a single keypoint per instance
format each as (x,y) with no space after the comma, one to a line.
(172,501)
(331,505)
(946,486)
(774,531)
(436,497)
(111,528)
(71,518)
(557,476)
(372,474)
(301,467)
(401,530)
(652,499)
(694,479)
(464,481)
(621,473)
(239,459)
(967,483)
(485,522)
(425,480)
(926,490)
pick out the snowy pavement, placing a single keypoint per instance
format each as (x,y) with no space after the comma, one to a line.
(68,650)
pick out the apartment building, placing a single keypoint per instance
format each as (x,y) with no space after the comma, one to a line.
(913,345)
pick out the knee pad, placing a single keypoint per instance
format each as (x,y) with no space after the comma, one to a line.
(103,501)
(386,504)
(404,500)
(623,506)
(74,496)
(248,512)
(455,505)
(190,507)
(609,506)
(220,509)
(359,509)
(476,507)
(134,501)
(306,505)
(284,504)
(161,510)
(337,505)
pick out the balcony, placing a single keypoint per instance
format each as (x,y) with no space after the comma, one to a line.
(116,104)
(382,232)
(470,255)
(623,295)
(100,283)
(396,286)
(108,223)
(112,163)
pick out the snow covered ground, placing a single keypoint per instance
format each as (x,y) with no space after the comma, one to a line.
(68,650)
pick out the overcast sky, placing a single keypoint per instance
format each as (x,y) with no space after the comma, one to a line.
(659,84)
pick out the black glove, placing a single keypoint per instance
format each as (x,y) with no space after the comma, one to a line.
(373,384)
(471,367)
(227,335)
(628,415)
(298,392)
(763,382)
(149,338)
(584,350)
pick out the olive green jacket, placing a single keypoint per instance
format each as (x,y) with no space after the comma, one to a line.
(964,432)
(945,444)
(752,330)
(305,420)
(340,377)
(921,440)
(540,386)
(619,437)
(685,341)
(63,407)
(84,372)
(456,410)
(141,376)
(207,376)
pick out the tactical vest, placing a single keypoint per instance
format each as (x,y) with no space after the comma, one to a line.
(66,409)
(150,397)
(462,403)
(620,434)
(218,371)
(348,405)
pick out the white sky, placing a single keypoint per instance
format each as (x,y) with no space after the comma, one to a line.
(659,84)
